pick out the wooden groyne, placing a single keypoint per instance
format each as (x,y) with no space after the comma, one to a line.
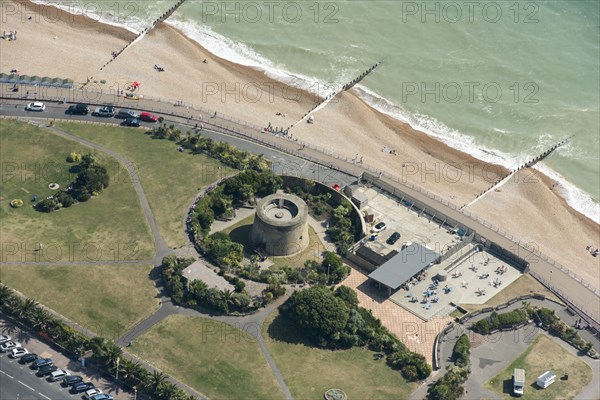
(140,35)
(362,76)
(331,95)
(527,164)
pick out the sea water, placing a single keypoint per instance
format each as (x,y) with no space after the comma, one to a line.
(501,80)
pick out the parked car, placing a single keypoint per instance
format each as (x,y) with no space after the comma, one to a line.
(35,106)
(6,346)
(92,392)
(147,117)
(80,109)
(132,122)
(106,111)
(82,387)
(40,362)
(58,375)
(18,352)
(27,358)
(102,396)
(125,113)
(46,370)
(71,380)
(393,238)
(379,227)
(5,338)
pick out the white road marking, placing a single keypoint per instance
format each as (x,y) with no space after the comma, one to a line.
(28,387)
(11,377)
(46,397)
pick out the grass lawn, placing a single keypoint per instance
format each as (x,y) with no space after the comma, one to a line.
(109,227)
(240,233)
(525,284)
(171,180)
(543,355)
(106,299)
(216,359)
(309,371)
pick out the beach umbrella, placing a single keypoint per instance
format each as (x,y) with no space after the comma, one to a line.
(4,77)
(68,83)
(35,79)
(46,81)
(57,82)
(13,78)
(24,79)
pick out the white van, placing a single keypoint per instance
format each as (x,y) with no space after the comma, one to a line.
(58,375)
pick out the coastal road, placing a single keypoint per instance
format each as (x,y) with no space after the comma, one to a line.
(576,293)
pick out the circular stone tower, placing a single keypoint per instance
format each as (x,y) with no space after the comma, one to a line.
(280,225)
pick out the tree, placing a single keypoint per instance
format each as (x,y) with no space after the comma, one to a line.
(348,295)
(154,381)
(318,312)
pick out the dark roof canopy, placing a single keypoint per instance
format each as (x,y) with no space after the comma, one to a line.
(409,262)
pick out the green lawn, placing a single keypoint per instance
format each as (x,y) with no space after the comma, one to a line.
(545,354)
(240,233)
(109,227)
(171,180)
(106,299)
(214,358)
(310,371)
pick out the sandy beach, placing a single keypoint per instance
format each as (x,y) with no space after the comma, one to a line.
(76,47)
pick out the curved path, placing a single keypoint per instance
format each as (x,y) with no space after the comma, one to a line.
(251,324)
(493,355)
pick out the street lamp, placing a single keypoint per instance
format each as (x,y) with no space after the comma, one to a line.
(117,376)
(135,393)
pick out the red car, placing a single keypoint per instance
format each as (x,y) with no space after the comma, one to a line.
(147,117)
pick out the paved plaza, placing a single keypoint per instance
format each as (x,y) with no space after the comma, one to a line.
(472,278)
(418,335)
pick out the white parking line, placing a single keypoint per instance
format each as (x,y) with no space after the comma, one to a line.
(28,387)
(11,377)
(46,397)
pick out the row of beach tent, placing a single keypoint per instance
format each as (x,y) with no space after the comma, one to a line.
(36,80)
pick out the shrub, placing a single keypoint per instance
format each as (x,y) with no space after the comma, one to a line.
(74,157)
(47,205)
(409,372)
(461,351)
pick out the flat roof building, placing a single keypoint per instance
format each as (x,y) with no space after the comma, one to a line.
(413,259)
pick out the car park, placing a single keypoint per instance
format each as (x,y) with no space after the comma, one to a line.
(379,227)
(79,109)
(106,111)
(40,362)
(35,106)
(147,117)
(58,375)
(71,380)
(46,370)
(27,358)
(18,352)
(6,346)
(92,392)
(393,238)
(132,122)
(82,387)
(102,396)
(5,338)
(125,113)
